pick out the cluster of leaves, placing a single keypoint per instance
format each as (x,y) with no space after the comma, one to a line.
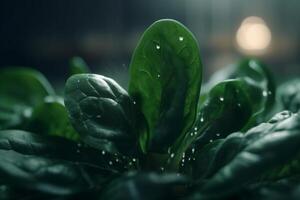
(161,139)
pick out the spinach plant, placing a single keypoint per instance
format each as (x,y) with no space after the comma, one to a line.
(161,138)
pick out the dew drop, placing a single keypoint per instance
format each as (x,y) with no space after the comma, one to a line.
(78,81)
(172,155)
(162,169)
(221,98)
(189,159)
(269,92)
(110,162)
(239,105)
(79,145)
(169,150)
(98,116)
(192,133)
(78,151)
(27,112)
(157,46)
(193,150)
(210,141)
(134,102)
(265,93)
(180,38)
(202,119)
(195,128)
(130,163)
(103,152)
(182,160)
(218,134)
(133,160)
(183,155)
(158,75)
(117,160)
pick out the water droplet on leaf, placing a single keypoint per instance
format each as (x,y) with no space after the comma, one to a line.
(265,93)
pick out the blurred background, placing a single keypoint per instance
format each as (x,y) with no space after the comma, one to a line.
(46,34)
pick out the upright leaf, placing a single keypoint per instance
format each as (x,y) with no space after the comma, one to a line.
(78,66)
(165,82)
(257,72)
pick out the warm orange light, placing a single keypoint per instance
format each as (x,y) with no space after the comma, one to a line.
(253,36)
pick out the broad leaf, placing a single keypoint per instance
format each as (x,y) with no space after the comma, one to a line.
(165,78)
(20,90)
(53,164)
(146,186)
(259,74)
(260,150)
(103,113)
(51,118)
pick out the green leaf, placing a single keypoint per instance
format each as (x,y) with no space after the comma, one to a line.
(227,108)
(289,95)
(256,71)
(59,148)
(47,175)
(78,66)
(260,150)
(280,190)
(103,113)
(165,78)
(231,105)
(146,186)
(53,164)
(51,118)
(20,90)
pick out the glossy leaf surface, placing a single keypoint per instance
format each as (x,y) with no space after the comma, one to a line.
(102,112)
(260,150)
(51,118)
(165,78)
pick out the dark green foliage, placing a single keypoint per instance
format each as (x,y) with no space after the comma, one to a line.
(21,90)
(146,186)
(88,98)
(289,95)
(157,141)
(165,83)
